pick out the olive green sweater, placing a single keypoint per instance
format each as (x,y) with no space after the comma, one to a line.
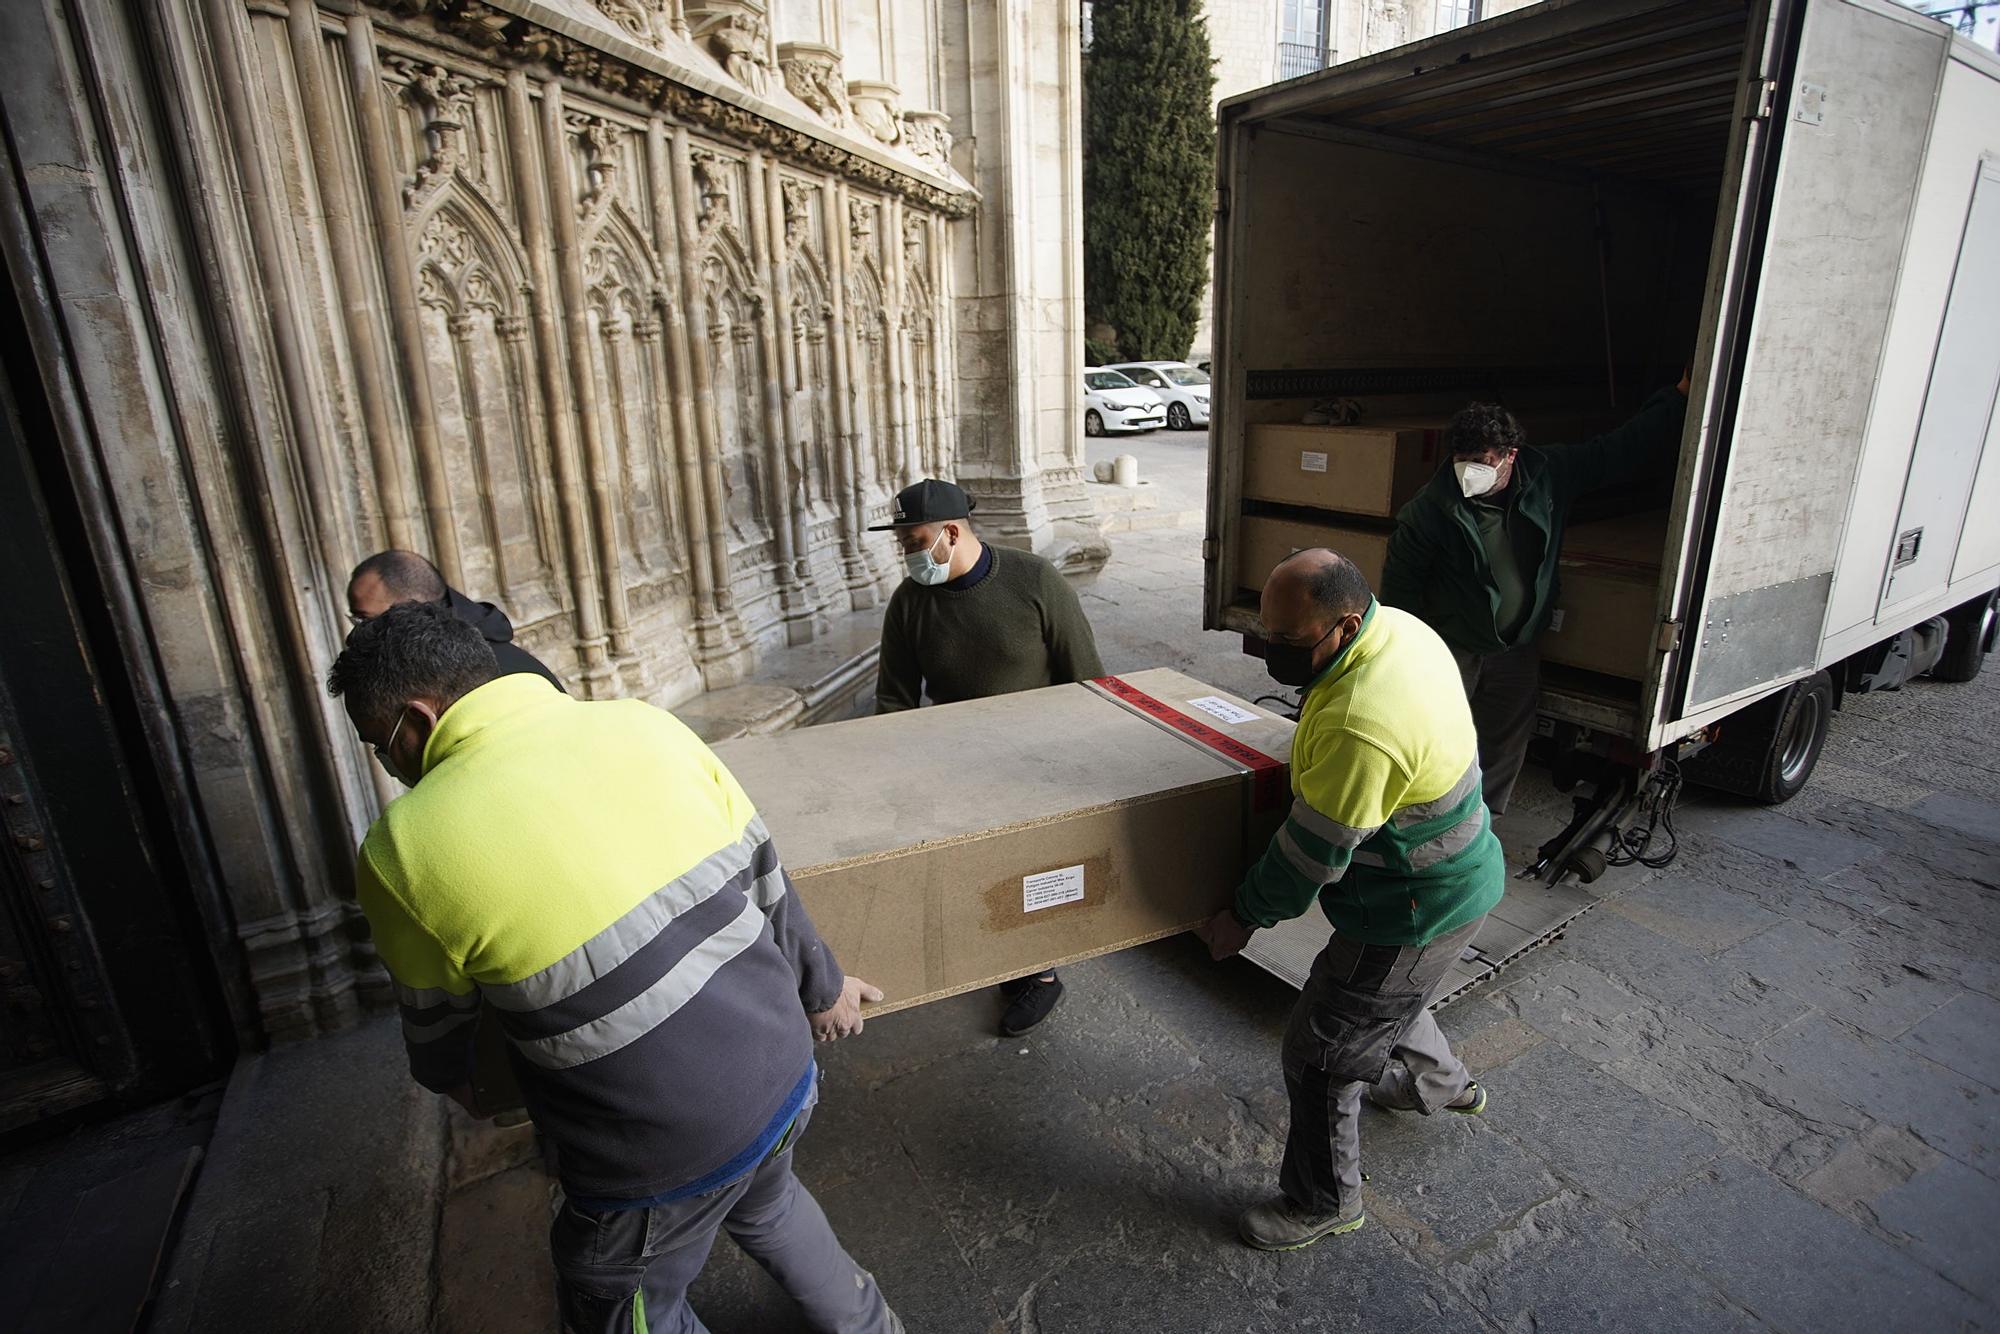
(1019,628)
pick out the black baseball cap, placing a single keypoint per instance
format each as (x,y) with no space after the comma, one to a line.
(929,501)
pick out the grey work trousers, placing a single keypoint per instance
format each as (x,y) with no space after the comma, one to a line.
(1362,1005)
(618,1267)
(1502,689)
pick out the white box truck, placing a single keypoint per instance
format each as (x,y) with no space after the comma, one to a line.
(1560,208)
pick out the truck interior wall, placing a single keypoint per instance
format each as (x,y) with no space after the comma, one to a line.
(1391,259)
(1967,129)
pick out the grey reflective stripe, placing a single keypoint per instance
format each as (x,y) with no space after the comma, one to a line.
(1374,859)
(625,937)
(1445,805)
(653,1006)
(1332,830)
(425,998)
(768,889)
(1450,843)
(418,1034)
(1307,865)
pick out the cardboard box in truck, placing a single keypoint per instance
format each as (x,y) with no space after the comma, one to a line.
(1370,469)
(1606,618)
(1266,541)
(949,848)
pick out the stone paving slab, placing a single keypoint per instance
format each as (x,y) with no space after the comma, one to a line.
(1952,1114)
(1583,1125)
(1881,997)
(1701,915)
(1951,1216)
(1797,1265)
(1964,1035)
(1568,1266)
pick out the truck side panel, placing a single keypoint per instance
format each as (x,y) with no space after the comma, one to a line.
(1852,151)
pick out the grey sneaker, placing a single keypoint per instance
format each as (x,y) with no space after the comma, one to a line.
(1279,1225)
(1392,1093)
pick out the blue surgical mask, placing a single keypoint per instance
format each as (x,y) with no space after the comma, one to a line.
(927,569)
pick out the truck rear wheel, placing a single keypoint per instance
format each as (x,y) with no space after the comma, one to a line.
(1768,751)
(1965,648)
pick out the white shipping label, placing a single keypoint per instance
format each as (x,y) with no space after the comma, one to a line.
(1311,462)
(1046,889)
(1218,707)
(1556,621)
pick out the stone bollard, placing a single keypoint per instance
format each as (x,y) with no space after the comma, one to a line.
(1125,470)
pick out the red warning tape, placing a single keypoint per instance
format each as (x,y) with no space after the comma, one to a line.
(1268,787)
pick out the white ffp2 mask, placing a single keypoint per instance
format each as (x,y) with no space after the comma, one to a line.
(1475,479)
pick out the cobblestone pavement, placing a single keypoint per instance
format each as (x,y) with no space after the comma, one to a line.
(1758,1089)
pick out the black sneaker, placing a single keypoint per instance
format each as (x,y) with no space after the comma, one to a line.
(1029,1001)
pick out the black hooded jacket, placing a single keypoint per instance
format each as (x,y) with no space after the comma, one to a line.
(492,622)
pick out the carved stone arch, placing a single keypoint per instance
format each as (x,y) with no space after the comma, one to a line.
(736,375)
(474,298)
(875,375)
(811,333)
(617,261)
(461,210)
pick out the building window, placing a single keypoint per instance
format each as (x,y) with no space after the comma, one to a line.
(1457,13)
(1301,37)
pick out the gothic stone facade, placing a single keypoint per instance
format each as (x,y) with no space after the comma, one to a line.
(631,313)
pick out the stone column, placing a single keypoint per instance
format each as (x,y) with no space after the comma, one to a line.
(771,317)
(1013,89)
(523,137)
(576,324)
(847,446)
(384,177)
(397,526)
(725,659)
(687,445)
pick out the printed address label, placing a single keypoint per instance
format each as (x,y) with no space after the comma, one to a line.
(1046,889)
(1311,461)
(1217,707)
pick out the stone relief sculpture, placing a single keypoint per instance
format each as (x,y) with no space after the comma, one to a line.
(926,135)
(646,20)
(812,74)
(444,101)
(878,106)
(737,34)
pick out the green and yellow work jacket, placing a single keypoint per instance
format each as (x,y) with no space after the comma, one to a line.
(1387,827)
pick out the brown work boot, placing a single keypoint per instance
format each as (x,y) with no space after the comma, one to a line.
(1279,1225)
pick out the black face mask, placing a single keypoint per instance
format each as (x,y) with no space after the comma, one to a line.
(1292,664)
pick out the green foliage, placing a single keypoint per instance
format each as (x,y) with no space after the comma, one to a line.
(1148,174)
(1096,352)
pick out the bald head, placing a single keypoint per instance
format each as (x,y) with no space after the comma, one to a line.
(1314,602)
(388,579)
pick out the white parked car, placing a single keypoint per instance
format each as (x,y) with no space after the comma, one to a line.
(1111,402)
(1180,386)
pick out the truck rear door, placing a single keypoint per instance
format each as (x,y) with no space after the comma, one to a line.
(1834,144)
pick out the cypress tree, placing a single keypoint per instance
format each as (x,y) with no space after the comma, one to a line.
(1148,176)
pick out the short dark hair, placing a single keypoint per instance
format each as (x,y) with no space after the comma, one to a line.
(1338,587)
(1482,428)
(407,576)
(414,650)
